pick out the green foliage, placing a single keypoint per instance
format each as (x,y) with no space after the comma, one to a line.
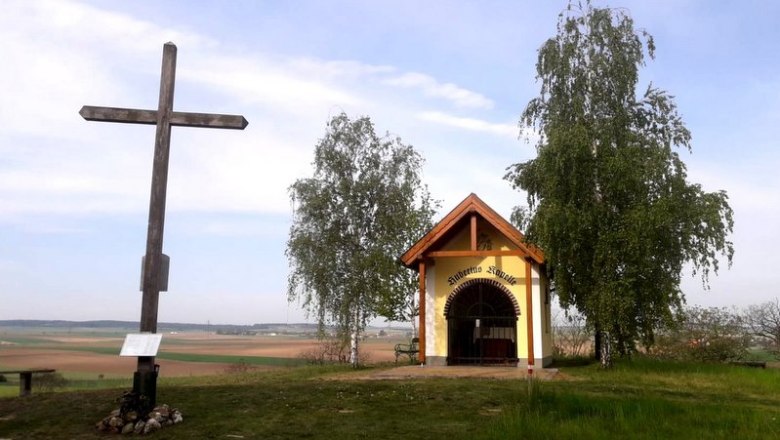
(704,334)
(362,208)
(609,199)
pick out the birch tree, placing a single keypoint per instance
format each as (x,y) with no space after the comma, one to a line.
(363,206)
(608,195)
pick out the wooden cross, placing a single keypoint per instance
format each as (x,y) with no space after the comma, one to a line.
(144,383)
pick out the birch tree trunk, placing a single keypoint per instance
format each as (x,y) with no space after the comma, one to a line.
(353,349)
(354,357)
(605,350)
(414,317)
(597,343)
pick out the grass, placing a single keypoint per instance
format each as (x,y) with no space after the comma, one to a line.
(649,399)
(582,416)
(29,341)
(639,399)
(759,354)
(74,382)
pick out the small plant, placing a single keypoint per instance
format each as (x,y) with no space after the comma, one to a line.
(133,402)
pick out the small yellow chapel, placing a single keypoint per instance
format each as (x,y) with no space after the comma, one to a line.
(484,295)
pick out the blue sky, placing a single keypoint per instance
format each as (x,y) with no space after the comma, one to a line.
(450,78)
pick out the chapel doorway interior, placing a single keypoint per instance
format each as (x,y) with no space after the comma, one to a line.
(482,326)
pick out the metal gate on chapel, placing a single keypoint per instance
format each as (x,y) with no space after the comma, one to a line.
(481,326)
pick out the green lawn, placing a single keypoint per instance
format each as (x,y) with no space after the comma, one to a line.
(639,399)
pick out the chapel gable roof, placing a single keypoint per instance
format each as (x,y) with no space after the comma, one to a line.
(456,219)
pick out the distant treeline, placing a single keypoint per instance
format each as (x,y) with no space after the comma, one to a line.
(225,329)
(162,327)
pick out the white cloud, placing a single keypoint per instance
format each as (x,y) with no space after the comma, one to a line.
(250,173)
(431,87)
(510,130)
(84,55)
(253,226)
(114,31)
(59,55)
(337,69)
(260,84)
(753,188)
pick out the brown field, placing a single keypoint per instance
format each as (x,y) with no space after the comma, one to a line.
(379,350)
(86,362)
(60,351)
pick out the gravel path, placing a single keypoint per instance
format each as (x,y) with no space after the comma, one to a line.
(418,372)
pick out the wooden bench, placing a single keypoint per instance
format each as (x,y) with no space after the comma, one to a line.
(411,349)
(25,378)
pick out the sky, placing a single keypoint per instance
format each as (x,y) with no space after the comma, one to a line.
(450,78)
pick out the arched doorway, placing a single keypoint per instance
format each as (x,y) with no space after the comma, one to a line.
(481,324)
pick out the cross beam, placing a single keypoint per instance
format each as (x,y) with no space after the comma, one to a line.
(149,117)
(145,379)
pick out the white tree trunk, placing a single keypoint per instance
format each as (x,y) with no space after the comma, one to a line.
(414,319)
(353,349)
(354,356)
(606,350)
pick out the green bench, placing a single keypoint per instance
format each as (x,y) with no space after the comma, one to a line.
(25,378)
(411,349)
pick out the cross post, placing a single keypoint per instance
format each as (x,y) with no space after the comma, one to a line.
(145,378)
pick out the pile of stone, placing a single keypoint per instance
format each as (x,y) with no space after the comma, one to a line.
(131,423)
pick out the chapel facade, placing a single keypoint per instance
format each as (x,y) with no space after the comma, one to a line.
(484,296)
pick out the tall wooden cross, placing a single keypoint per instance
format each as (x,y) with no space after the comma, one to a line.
(145,379)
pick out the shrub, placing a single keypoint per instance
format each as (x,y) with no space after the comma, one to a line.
(704,334)
(241,366)
(571,337)
(47,382)
(763,320)
(329,350)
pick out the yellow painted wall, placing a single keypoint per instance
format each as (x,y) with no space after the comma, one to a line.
(449,267)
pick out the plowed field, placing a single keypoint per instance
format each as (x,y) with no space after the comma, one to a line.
(100,355)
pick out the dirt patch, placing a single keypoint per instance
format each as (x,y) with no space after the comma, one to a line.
(421,372)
